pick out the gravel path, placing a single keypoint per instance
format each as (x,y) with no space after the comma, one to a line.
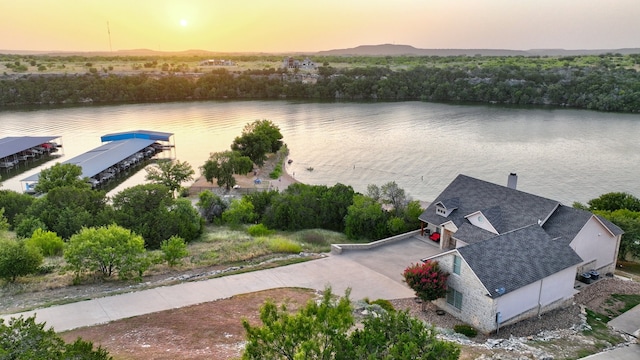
(592,297)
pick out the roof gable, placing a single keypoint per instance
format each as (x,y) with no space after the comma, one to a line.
(518,258)
(510,208)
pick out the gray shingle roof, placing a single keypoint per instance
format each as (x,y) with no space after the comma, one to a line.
(518,209)
(566,222)
(504,261)
(472,234)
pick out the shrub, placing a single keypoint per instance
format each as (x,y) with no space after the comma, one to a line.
(16,259)
(23,338)
(466,330)
(27,225)
(385,304)
(277,172)
(259,230)
(173,250)
(48,242)
(427,280)
(281,245)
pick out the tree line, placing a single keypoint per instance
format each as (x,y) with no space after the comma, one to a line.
(605,83)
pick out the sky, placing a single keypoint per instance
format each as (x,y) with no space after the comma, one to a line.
(274,26)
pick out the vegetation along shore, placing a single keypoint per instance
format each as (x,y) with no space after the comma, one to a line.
(604,82)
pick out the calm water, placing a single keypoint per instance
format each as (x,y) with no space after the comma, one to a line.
(561,154)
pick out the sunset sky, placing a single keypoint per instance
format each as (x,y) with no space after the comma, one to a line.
(307,25)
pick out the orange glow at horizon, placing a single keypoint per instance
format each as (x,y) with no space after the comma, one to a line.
(288,25)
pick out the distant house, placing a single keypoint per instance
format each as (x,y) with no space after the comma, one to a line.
(291,63)
(511,254)
(217,62)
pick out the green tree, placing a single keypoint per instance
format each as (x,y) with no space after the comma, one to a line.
(392,194)
(211,206)
(107,250)
(26,225)
(615,201)
(187,222)
(61,175)
(24,339)
(223,165)
(17,259)
(14,204)
(257,140)
(314,332)
(4,223)
(170,173)
(396,336)
(325,330)
(173,250)
(365,219)
(145,210)
(65,210)
(48,242)
(427,280)
(240,211)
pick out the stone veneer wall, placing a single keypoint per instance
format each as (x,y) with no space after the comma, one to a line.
(478,309)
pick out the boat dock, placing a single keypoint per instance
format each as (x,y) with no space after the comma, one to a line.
(119,153)
(18,151)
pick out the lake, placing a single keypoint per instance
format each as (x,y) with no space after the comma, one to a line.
(566,155)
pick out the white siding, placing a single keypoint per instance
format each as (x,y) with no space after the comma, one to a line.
(556,287)
(478,219)
(595,243)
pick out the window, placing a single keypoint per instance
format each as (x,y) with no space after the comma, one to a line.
(456,264)
(454,298)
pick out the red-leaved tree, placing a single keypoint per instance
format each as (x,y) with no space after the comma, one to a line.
(427,280)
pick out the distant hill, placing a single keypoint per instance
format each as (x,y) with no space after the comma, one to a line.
(391,50)
(362,50)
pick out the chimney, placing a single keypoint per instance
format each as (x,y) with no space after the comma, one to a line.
(512,182)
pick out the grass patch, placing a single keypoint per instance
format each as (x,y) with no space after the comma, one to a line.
(282,245)
(600,330)
(629,301)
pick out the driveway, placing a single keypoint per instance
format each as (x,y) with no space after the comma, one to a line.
(372,273)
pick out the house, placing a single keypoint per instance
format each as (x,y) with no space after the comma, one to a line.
(511,254)
(291,63)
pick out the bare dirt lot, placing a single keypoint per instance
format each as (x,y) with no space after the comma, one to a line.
(214,331)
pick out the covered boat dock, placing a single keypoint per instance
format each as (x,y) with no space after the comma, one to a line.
(20,150)
(120,152)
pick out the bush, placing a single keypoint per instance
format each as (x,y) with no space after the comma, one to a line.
(466,330)
(16,259)
(173,250)
(23,338)
(48,242)
(280,245)
(385,304)
(259,230)
(27,225)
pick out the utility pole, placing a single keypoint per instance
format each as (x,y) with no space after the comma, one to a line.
(109,32)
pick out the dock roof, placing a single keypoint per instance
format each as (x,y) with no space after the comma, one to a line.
(137,134)
(15,144)
(101,158)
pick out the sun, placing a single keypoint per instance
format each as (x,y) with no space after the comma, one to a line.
(184,22)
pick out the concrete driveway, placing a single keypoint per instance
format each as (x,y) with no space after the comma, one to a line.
(372,273)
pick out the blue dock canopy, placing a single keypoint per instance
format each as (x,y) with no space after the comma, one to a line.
(137,134)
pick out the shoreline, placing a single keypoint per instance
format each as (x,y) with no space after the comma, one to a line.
(246,182)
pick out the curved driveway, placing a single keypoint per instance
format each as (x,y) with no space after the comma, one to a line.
(372,273)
